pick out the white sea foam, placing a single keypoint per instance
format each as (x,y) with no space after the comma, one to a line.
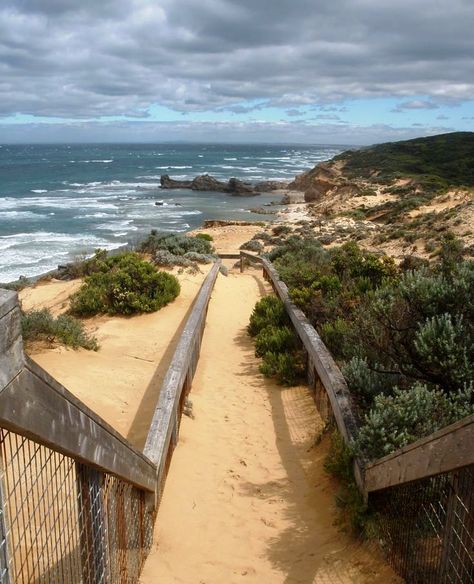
(172,167)
(39,191)
(21,215)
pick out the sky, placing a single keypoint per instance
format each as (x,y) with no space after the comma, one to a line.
(284,71)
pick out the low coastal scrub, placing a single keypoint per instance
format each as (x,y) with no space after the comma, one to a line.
(275,341)
(403,336)
(173,249)
(37,325)
(177,244)
(124,284)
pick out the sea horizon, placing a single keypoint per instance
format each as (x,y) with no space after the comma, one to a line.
(60,201)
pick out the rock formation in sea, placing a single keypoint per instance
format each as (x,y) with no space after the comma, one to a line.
(233,186)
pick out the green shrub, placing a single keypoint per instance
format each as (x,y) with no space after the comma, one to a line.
(126,284)
(397,420)
(41,324)
(268,311)
(252,245)
(286,367)
(204,236)
(176,243)
(353,511)
(281,230)
(273,338)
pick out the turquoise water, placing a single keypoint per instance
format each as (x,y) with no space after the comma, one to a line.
(59,201)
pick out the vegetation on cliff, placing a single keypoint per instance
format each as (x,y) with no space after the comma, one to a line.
(437,161)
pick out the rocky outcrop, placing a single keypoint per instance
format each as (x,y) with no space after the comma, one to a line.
(267,186)
(206,182)
(325,179)
(233,186)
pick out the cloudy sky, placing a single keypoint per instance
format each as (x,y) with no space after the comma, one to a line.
(312,71)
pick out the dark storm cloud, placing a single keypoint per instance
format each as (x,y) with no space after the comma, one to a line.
(91,58)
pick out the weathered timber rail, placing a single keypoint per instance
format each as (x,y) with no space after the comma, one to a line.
(77,501)
(163,433)
(324,376)
(423,493)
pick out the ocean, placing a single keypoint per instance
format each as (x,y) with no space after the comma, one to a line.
(58,202)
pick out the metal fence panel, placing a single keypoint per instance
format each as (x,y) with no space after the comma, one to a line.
(427,528)
(66,523)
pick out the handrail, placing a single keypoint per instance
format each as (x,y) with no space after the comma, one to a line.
(35,405)
(443,451)
(322,360)
(163,432)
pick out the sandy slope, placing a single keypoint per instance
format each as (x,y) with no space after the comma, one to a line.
(246,498)
(121,381)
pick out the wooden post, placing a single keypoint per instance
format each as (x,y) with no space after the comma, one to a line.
(92,524)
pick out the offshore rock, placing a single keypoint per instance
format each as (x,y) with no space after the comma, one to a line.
(206,182)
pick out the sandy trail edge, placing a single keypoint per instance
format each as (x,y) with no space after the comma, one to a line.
(246,499)
(121,381)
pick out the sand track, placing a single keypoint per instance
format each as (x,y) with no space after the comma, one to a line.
(247,499)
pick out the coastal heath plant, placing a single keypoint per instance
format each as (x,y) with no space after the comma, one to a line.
(127,284)
(42,325)
(407,415)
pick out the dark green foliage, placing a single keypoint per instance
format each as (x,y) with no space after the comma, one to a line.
(176,244)
(41,325)
(436,161)
(390,329)
(405,416)
(269,311)
(421,327)
(81,268)
(125,284)
(281,230)
(285,367)
(353,511)
(204,236)
(252,245)
(276,341)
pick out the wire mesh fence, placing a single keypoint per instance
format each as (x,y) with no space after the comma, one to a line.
(427,528)
(62,522)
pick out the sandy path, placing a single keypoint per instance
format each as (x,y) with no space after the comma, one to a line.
(246,499)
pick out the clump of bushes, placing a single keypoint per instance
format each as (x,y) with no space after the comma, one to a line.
(398,333)
(252,245)
(41,325)
(125,284)
(176,243)
(398,419)
(275,341)
(204,236)
(173,249)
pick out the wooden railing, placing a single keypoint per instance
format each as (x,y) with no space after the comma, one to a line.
(92,495)
(163,433)
(448,449)
(323,373)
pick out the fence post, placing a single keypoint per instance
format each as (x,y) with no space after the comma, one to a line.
(92,525)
